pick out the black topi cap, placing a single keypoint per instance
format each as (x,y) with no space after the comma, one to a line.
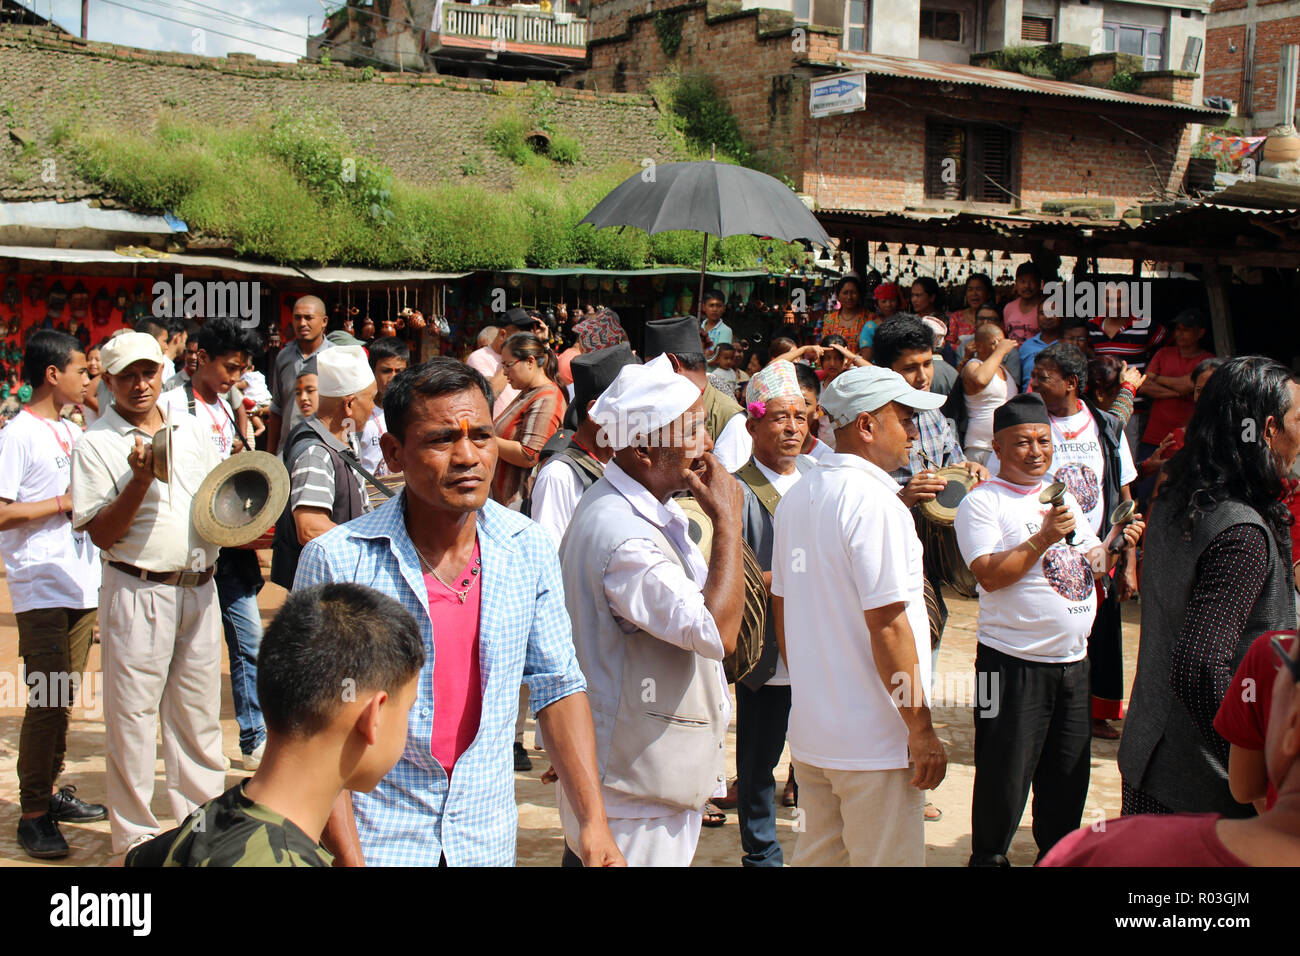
(679,335)
(593,372)
(519,317)
(1026,408)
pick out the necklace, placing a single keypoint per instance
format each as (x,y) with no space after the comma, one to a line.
(1072,435)
(467,583)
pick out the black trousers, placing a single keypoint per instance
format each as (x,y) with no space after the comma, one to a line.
(1039,733)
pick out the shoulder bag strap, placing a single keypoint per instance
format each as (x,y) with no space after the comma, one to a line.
(767,496)
(349,458)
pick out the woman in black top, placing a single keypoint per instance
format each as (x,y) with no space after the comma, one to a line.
(1217,563)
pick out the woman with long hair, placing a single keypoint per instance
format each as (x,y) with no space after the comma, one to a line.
(848,319)
(1217,563)
(528,422)
(925,296)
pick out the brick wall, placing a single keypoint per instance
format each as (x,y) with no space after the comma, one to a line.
(1270,37)
(421,126)
(875,159)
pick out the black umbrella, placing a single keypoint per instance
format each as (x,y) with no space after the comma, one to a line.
(713,198)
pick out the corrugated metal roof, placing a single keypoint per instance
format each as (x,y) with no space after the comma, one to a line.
(962,74)
(1262,192)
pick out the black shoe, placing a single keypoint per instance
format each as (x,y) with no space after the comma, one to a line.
(522,763)
(41,838)
(66,807)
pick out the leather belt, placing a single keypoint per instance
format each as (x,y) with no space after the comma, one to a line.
(184,579)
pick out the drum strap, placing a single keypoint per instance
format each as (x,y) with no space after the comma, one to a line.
(767,496)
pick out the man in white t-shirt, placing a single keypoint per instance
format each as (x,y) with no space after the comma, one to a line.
(223,350)
(778,423)
(388,357)
(848,599)
(53,576)
(1037,599)
(1090,454)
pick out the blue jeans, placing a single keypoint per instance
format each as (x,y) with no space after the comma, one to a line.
(761,719)
(242,623)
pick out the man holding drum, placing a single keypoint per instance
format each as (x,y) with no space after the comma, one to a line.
(1035,562)
(652,621)
(778,424)
(159,621)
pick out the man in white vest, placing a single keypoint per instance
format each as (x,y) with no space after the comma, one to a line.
(652,620)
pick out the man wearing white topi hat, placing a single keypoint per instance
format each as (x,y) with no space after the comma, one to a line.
(323,455)
(159,622)
(861,740)
(652,620)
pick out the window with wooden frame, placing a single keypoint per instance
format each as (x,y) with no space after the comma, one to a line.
(941,24)
(970,162)
(1036,29)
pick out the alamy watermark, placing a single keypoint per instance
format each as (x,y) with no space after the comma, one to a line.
(1088,298)
(211,299)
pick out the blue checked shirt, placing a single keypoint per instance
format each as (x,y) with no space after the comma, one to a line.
(414,817)
(936,440)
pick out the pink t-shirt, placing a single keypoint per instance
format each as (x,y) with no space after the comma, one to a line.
(1155,839)
(1021,320)
(457,680)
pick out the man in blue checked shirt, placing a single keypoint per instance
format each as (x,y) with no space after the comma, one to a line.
(484,584)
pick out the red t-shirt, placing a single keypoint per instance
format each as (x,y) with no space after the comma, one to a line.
(1242,719)
(457,679)
(1152,839)
(1170,413)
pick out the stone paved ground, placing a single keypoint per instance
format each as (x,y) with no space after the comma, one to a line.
(540,840)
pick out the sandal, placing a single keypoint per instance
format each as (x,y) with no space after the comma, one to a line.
(790,795)
(932,813)
(713,817)
(1104,731)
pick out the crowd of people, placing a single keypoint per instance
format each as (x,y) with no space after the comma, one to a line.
(619,540)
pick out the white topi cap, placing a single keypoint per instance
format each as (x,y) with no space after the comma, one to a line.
(342,370)
(641,400)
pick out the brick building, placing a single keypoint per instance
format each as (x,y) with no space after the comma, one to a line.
(1243,44)
(940,135)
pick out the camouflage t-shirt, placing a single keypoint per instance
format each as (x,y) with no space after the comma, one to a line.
(232,830)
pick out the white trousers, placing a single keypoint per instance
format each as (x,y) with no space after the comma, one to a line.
(644,841)
(161,652)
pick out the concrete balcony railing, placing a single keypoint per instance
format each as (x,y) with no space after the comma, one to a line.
(513,26)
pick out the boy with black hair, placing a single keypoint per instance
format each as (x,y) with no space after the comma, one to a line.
(53,576)
(387,357)
(337,674)
(224,351)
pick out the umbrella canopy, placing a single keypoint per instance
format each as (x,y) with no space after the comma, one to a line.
(714,198)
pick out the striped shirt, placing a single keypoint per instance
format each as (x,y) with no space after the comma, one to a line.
(311,478)
(1133,343)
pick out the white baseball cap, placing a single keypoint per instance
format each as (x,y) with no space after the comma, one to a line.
(868,389)
(123,350)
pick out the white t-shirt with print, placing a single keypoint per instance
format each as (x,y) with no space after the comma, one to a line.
(372,459)
(47,564)
(1047,614)
(1079,461)
(217,420)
